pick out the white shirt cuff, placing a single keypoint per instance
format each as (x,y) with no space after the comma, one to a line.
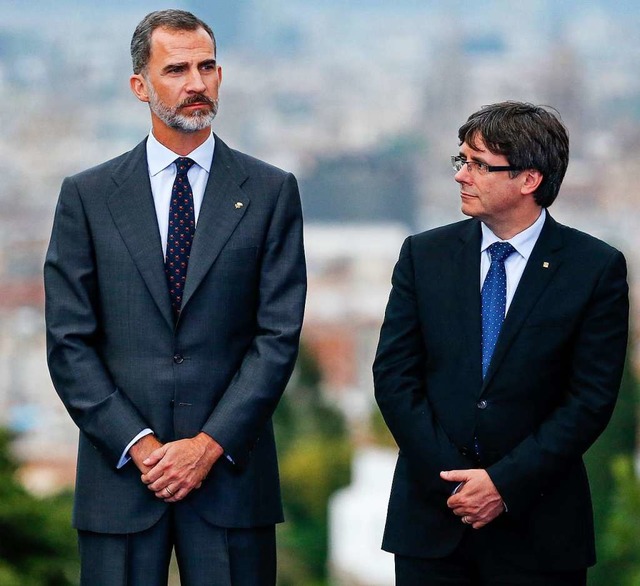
(125,454)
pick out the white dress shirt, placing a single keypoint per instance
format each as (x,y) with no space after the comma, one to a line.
(162,173)
(515,264)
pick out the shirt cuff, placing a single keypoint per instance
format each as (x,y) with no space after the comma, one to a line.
(125,454)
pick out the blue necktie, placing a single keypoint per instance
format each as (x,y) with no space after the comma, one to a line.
(494,300)
(182,226)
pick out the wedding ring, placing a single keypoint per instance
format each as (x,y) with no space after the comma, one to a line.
(167,489)
(465,520)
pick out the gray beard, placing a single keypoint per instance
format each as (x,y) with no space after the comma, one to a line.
(174,119)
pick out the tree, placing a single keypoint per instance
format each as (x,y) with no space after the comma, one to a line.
(621,563)
(315,456)
(37,543)
(610,481)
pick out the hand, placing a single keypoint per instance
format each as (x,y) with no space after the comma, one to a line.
(141,450)
(176,468)
(478,500)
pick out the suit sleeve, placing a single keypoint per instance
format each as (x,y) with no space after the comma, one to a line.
(98,408)
(595,372)
(254,392)
(399,382)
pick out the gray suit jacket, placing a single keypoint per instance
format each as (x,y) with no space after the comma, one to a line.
(120,364)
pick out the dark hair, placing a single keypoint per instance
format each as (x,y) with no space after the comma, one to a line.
(530,137)
(177,20)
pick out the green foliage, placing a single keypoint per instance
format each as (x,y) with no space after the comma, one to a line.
(621,562)
(37,544)
(611,479)
(315,456)
(381,435)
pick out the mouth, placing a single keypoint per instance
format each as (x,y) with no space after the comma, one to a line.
(197,102)
(195,106)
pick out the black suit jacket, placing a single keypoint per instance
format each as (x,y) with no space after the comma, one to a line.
(549,392)
(119,362)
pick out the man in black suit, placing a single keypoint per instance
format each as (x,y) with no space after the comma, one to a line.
(492,412)
(175,286)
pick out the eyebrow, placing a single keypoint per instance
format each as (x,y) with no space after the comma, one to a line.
(207,62)
(480,160)
(473,158)
(183,64)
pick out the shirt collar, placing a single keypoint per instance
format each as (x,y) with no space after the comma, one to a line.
(523,242)
(159,157)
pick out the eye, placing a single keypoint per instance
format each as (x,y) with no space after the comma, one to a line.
(208,66)
(482,167)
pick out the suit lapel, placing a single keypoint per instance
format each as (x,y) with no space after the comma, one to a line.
(223,207)
(541,267)
(467,286)
(132,209)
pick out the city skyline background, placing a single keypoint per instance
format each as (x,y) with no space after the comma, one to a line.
(361,100)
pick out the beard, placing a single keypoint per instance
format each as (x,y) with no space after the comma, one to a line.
(172,117)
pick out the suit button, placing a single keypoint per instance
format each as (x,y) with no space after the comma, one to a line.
(178,358)
(481,404)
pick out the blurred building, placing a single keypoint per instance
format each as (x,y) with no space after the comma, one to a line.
(349,268)
(357,516)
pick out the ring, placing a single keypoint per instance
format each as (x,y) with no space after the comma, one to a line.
(465,520)
(167,489)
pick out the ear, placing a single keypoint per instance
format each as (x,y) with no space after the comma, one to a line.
(532,178)
(139,87)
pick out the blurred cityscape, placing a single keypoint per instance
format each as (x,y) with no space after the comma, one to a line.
(362,101)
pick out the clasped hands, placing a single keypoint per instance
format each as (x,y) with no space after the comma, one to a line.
(477,500)
(172,470)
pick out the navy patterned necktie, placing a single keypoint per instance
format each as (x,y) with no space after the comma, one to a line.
(182,226)
(494,300)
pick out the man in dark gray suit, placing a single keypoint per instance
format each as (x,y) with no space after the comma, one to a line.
(175,286)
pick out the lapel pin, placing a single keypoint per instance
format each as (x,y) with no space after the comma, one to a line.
(545,265)
(238,205)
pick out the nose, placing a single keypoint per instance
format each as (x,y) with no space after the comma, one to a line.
(195,83)
(463,175)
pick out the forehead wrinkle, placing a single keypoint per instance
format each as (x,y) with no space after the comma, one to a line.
(179,46)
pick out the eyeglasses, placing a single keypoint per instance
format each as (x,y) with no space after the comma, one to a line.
(482,168)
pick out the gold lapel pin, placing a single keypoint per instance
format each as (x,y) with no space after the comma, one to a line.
(238,205)
(545,265)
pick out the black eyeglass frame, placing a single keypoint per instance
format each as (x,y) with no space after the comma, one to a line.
(457,162)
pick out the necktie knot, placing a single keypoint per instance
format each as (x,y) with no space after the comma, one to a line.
(183,164)
(500,251)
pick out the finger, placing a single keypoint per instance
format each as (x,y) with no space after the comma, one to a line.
(166,493)
(460,511)
(177,496)
(153,476)
(455,475)
(154,457)
(458,501)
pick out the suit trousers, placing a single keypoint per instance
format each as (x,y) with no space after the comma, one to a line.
(207,555)
(477,562)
